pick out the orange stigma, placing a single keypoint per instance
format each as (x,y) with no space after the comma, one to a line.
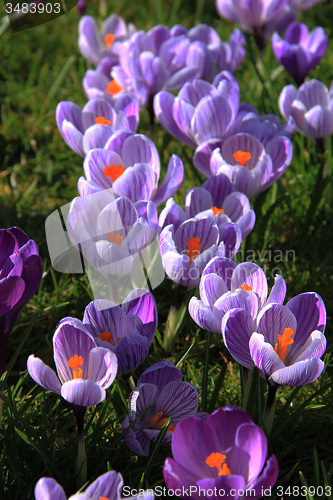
(118,239)
(113,88)
(109,38)
(107,337)
(113,171)
(103,498)
(75,362)
(283,341)
(246,287)
(100,120)
(157,421)
(242,157)
(216,210)
(193,248)
(217,460)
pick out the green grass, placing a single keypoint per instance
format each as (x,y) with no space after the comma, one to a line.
(39,68)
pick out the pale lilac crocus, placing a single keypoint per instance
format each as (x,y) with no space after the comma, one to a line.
(92,126)
(284,342)
(300,51)
(221,457)
(130,165)
(162,386)
(108,486)
(94,46)
(225,285)
(311,106)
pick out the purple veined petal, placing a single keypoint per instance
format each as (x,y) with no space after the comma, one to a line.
(278,292)
(95,108)
(197,200)
(235,205)
(103,366)
(8,245)
(280,150)
(298,110)
(96,163)
(231,485)
(171,214)
(178,79)
(246,223)
(89,42)
(204,33)
(297,33)
(203,316)
(160,374)
(204,229)
(211,288)
(240,299)
(267,479)
(117,215)
(231,418)
(159,35)
(172,180)
(200,57)
(73,137)
(314,347)
(237,328)
(231,236)
(264,355)
(178,477)
(313,93)
(178,400)
(69,340)
(136,183)
(227,10)
(163,108)
(212,118)
(94,84)
(248,273)
(142,397)
(13,266)
(222,266)
(70,112)
(138,443)
(48,489)
(141,303)
(131,352)
(109,485)
(193,92)
(138,148)
(11,291)
(159,74)
(301,373)
(96,136)
(272,320)
(82,392)
(243,179)
(318,122)
(128,104)
(183,112)
(245,143)
(43,374)
(219,186)
(109,258)
(115,25)
(251,440)
(201,158)
(286,98)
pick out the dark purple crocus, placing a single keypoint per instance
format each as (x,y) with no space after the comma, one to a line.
(130,164)
(108,486)
(221,457)
(225,285)
(160,385)
(300,51)
(92,126)
(311,106)
(94,46)
(284,342)
(127,331)
(21,270)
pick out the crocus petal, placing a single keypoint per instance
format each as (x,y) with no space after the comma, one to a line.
(272,320)
(316,348)
(301,373)
(131,351)
(237,328)
(178,400)
(203,316)
(248,273)
(11,290)
(171,182)
(264,355)
(83,392)
(109,486)
(267,479)
(103,366)
(43,374)
(161,374)
(48,489)
(278,292)
(142,304)
(73,137)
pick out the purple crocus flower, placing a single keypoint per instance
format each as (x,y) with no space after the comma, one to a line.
(21,270)
(258,17)
(94,46)
(84,370)
(162,386)
(221,457)
(284,342)
(300,51)
(311,106)
(92,126)
(127,331)
(108,486)
(225,285)
(130,164)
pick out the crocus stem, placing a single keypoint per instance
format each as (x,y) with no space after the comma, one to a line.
(246,385)
(269,412)
(172,324)
(79,412)
(320,144)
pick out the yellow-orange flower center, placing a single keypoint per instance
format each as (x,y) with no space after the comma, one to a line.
(283,341)
(100,120)
(114,171)
(75,362)
(217,460)
(193,248)
(115,238)
(242,157)
(107,337)
(109,39)
(103,498)
(113,88)
(216,210)
(246,287)
(157,421)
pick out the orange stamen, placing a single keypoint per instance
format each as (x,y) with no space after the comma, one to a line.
(106,337)
(75,362)
(217,460)
(113,171)
(242,157)
(193,248)
(100,120)
(283,341)
(246,287)
(103,498)
(216,210)
(109,39)
(157,421)
(113,88)
(118,239)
